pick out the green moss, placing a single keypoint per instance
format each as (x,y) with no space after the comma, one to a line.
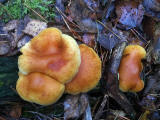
(17,9)
(1,83)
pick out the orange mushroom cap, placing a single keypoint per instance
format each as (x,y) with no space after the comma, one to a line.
(52,53)
(39,88)
(130,69)
(89,72)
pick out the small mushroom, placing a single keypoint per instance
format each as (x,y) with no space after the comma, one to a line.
(39,88)
(130,69)
(89,72)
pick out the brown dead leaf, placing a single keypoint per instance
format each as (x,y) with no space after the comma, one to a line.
(83,15)
(75,106)
(23,41)
(34,27)
(152,8)
(5,40)
(11,25)
(112,38)
(129,13)
(152,4)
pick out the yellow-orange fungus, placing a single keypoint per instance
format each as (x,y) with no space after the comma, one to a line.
(48,61)
(130,69)
(89,72)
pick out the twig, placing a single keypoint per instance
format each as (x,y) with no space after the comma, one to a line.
(95,106)
(135,34)
(36,13)
(3,34)
(100,110)
(123,117)
(1,42)
(40,114)
(116,116)
(62,14)
(140,35)
(66,23)
(106,8)
(95,47)
(105,58)
(109,30)
(69,27)
(147,44)
(69,4)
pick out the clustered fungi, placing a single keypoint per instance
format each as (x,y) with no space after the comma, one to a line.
(52,63)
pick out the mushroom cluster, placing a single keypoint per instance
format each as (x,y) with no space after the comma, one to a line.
(130,69)
(53,61)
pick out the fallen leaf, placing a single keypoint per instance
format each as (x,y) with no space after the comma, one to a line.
(84,17)
(110,40)
(89,25)
(34,27)
(153,5)
(152,8)
(89,39)
(23,41)
(75,106)
(129,13)
(5,40)
(11,25)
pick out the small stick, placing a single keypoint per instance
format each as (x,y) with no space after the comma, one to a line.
(135,34)
(100,110)
(109,30)
(95,106)
(62,14)
(66,23)
(68,26)
(4,42)
(147,44)
(40,114)
(140,35)
(3,34)
(105,58)
(69,4)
